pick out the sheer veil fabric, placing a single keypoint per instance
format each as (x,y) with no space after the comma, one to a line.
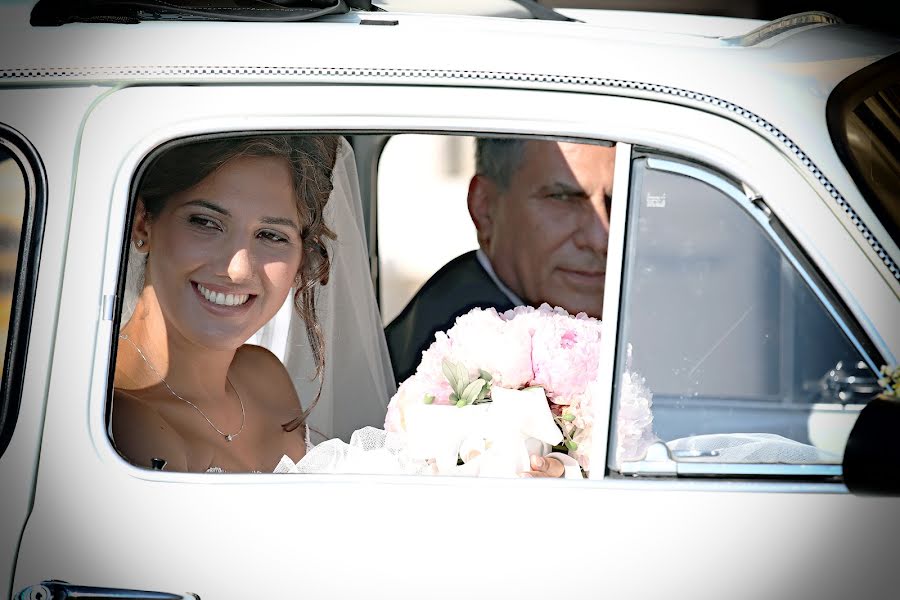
(358,380)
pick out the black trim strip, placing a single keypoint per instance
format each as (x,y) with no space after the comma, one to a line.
(30,243)
(61,12)
(843,102)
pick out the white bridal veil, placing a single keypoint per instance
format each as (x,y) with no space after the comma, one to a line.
(358,380)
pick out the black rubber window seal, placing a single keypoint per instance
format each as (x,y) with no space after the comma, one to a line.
(25,286)
(843,101)
(61,12)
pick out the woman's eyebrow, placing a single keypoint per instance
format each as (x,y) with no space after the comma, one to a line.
(224,212)
(210,205)
(280,221)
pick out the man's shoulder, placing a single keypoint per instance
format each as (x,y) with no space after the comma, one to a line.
(459,286)
(462,272)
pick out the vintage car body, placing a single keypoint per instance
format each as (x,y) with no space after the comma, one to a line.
(85,103)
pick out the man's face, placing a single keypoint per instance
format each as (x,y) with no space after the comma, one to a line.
(548,232)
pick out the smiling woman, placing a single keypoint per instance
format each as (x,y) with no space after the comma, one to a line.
(227,228)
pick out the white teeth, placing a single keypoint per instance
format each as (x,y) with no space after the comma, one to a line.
(220,298)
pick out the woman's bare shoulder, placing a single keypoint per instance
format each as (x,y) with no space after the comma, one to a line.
(141,434)
(259,364)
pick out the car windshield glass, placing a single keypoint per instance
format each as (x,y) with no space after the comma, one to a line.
(864,118)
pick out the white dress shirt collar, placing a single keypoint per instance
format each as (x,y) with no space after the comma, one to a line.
(485,263)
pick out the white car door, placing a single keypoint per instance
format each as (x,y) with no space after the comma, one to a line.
(38,133)
(96,520)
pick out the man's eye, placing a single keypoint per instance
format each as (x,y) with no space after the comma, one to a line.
(273,236)
(562,196)
(204,222)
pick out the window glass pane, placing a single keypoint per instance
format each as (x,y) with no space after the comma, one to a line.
(12,208)
(729,336)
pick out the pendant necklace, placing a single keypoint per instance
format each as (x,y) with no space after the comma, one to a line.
(228,436)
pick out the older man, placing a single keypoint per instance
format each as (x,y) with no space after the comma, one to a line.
(541,209)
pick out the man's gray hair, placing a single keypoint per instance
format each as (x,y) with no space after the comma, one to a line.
(499,158)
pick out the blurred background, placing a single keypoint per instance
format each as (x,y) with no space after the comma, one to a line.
(12,205)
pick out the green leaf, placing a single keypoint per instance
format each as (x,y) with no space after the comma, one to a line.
(462,378)
(572,446)
(568,417)
(457,375)
(449,371)
(429,398)
(483,393)
(485,375)
(472,390)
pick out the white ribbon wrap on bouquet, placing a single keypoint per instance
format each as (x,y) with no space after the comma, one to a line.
(494,439)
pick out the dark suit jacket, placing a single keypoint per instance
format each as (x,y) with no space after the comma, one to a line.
(460,285)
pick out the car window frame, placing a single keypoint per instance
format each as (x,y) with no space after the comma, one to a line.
(34,215)
(130,150)
(659,462)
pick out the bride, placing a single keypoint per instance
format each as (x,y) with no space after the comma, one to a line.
(224,230)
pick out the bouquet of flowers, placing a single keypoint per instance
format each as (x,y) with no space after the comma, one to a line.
(497,387)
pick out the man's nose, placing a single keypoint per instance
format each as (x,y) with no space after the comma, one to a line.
(593,227)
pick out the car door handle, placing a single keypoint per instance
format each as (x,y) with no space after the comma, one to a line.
(60,590)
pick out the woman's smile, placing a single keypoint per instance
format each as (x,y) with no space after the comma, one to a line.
(229,301)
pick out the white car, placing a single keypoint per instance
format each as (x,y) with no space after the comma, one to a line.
(753,270)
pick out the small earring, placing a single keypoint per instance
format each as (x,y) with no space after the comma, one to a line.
(139,243)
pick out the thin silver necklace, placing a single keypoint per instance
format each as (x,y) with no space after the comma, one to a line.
(228,436)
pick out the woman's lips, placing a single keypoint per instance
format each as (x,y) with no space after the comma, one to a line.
(223,302)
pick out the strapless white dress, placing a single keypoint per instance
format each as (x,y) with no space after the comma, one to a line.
(285,465)
(370,451)
(374,451)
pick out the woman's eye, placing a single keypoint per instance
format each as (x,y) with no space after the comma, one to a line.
(204,222)
(273,236)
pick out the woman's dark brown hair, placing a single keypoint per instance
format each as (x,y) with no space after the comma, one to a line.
(312,159)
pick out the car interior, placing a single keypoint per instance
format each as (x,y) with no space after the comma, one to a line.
(696,301)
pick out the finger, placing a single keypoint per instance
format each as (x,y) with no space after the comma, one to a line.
(548,467)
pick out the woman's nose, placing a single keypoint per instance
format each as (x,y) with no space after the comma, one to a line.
(240,265)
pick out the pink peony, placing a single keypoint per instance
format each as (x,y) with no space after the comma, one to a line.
(565,353)
(482,340)
(583,438)
(634,419)
(430,374)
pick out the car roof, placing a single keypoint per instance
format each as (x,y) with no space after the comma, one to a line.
(784,75)
(701,52)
